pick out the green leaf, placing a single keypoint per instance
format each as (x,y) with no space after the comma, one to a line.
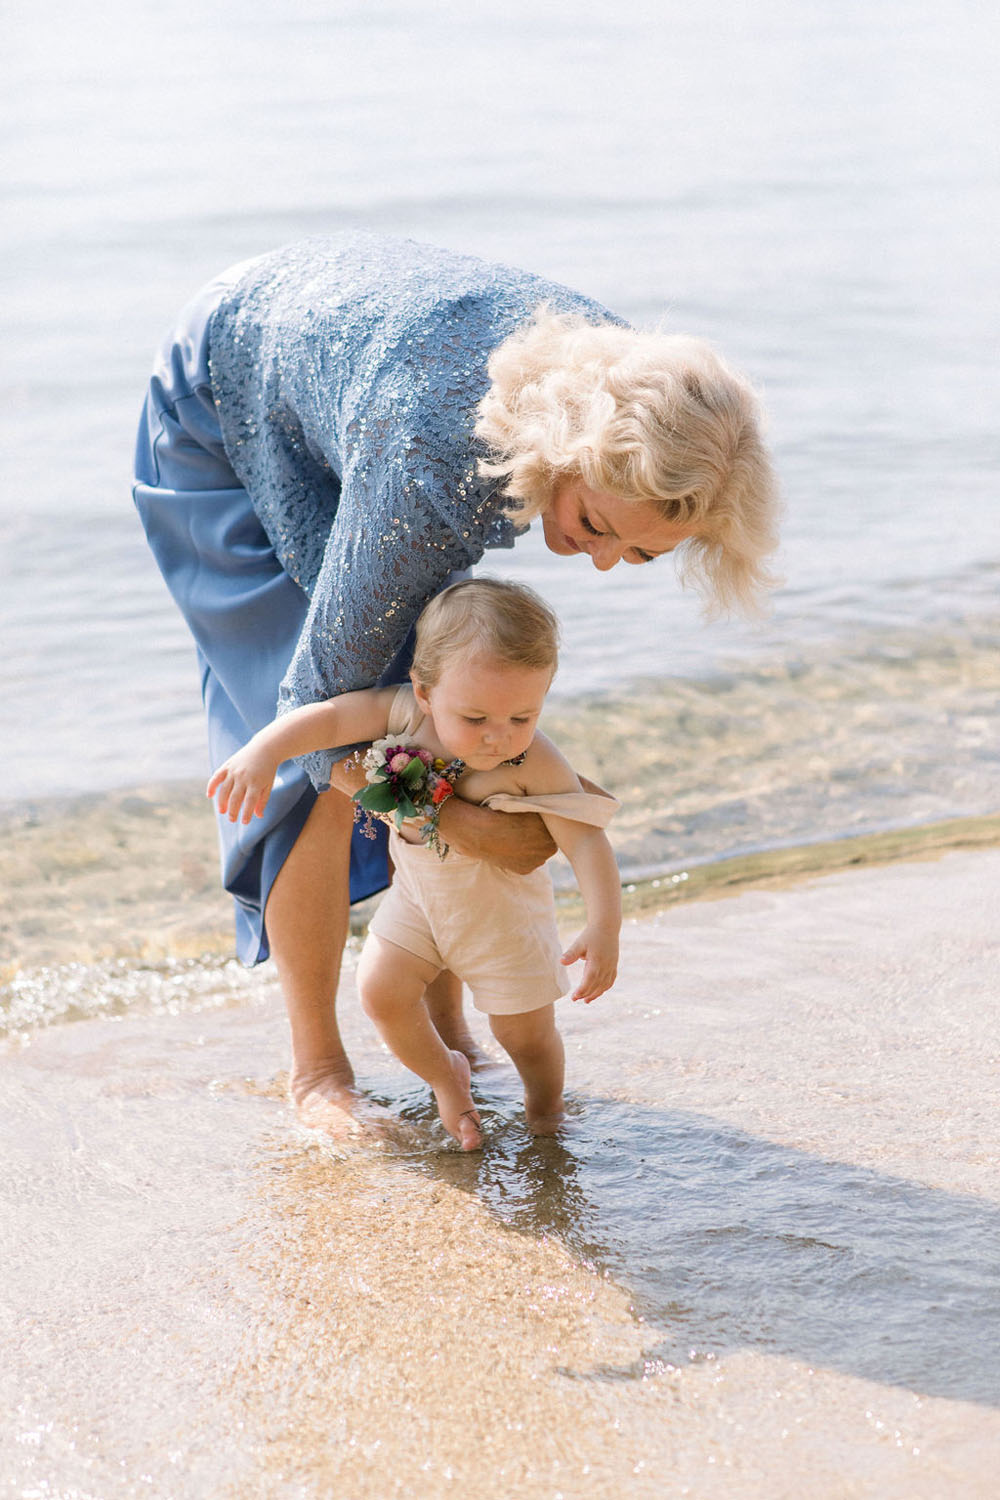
(376,797)
(414,771)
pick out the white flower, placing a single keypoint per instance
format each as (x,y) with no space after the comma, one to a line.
(376,757)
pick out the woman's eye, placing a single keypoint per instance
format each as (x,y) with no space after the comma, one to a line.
(519,722)
(473,721)
(588,525)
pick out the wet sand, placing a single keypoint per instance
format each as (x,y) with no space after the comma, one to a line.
(199,1299)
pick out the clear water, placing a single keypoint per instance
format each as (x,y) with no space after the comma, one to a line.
(730,1241)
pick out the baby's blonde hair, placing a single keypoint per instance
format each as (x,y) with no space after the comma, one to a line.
(486,616)
(647,417)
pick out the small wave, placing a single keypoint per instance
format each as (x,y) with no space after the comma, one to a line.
(114,987)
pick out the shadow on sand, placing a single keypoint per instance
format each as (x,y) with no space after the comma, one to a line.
(727,1241)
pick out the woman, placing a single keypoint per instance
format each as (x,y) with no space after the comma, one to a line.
(332,434)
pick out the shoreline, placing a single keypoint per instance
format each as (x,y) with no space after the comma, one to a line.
(133,875)
(782,867)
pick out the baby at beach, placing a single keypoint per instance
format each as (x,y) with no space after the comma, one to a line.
(485,655)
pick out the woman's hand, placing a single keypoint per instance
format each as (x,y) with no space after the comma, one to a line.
(599,946)
(519,842)
(244,782)
(348,776)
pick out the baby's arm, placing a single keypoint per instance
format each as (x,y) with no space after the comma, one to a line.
(590,853)
(593,860)
(245,779)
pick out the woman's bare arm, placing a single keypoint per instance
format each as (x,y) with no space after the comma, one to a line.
(519,842)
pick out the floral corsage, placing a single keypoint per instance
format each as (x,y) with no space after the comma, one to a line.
(408,782)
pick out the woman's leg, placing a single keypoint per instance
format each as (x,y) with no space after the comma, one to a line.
(535,1047)
(391,983)
(306,918)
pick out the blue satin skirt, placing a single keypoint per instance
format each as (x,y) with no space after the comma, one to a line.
(243,609)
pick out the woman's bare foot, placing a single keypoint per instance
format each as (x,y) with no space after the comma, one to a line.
(455,1106)
(330,1101)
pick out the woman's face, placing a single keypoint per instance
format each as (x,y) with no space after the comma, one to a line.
(608,529)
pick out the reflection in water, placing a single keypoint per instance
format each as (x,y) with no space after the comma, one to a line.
(727,1240)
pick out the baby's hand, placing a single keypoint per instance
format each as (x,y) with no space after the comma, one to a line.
(600,949)
(243,781)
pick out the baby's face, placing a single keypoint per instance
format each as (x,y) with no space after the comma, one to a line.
(485,711)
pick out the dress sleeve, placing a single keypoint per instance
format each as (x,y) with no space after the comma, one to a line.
(412,511)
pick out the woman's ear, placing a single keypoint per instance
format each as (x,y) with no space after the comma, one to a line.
(420,692)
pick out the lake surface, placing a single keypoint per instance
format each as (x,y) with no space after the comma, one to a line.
(815,192)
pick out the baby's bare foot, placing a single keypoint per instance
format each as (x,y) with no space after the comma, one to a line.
(549,1123)
(455,1106)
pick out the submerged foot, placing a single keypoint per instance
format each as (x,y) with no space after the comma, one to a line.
(549,1123)
(454,1101)
(332,1103)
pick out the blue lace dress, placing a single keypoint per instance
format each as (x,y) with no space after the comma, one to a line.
(306,473)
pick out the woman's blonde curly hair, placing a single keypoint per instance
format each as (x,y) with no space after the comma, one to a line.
(646,417)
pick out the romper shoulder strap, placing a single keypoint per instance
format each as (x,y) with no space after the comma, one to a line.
(404,715)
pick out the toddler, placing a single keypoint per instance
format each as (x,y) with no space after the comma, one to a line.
(486,653)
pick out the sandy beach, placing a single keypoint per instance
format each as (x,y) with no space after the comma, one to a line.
(200,1299)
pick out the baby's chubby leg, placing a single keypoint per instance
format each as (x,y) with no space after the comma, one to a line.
(391,983)
(535,1047)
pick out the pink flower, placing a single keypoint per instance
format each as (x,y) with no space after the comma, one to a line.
(426,757)
(400,761)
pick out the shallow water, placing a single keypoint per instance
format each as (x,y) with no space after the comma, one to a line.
(899,728)
(728,1241)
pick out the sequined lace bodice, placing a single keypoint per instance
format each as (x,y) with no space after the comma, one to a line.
(346,372)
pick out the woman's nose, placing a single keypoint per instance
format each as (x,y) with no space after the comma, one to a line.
(605,552)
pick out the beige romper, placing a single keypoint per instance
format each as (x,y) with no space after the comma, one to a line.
(495,930)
